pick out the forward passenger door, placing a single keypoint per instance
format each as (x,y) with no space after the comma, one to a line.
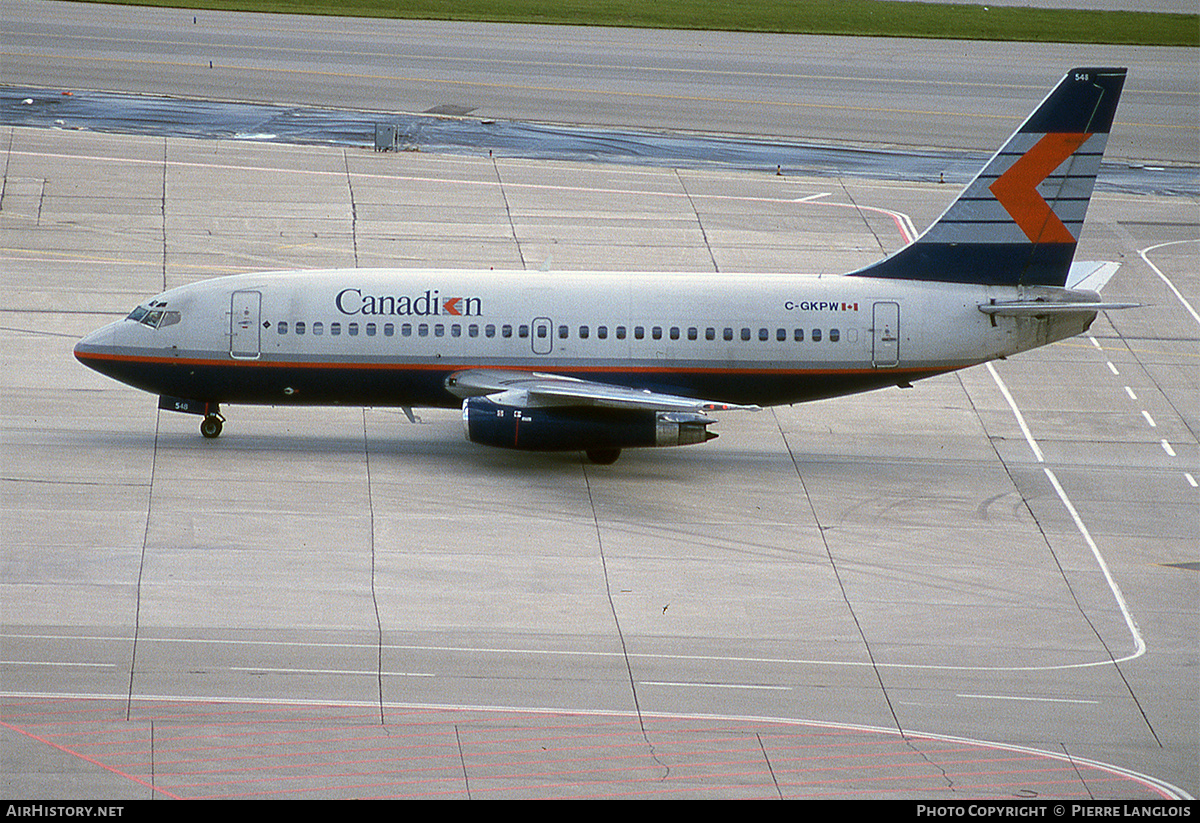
(245,325)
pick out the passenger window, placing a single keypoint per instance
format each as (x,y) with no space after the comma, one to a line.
(781,335)
(693,333)
(562,332)
(473,330)
(710,333)
(318,327)
(522,332)
(745,334)
(370,330)
(816,335)
(602,332)
(798,335)
(728,334)
(388,329)
(834,335)
(455,330)
(406,330)
(620,332)
(656,332)
(353,329)
(764,334)
(281,327)
(439,330)
(490,330)
(299,327)
(334,329)
(423,330)
(506,330)
(583,332)
(639,332)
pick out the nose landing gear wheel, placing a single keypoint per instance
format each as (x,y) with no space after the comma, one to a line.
(211,426)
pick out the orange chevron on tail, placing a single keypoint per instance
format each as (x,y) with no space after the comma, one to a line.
(1016,189)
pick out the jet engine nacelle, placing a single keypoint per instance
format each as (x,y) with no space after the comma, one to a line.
(573,428)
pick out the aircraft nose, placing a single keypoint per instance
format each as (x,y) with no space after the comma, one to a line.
(90,342)
(92,348)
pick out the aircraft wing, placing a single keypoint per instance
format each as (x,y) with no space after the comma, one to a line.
(544,390)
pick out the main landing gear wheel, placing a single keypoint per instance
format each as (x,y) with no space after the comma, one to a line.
(603,457)
(211,426)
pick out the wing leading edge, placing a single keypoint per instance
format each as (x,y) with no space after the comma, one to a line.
(543,390)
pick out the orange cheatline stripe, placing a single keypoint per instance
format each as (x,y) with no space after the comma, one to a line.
(574,369)
(1016,189)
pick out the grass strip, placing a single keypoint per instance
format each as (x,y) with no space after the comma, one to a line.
(876,18)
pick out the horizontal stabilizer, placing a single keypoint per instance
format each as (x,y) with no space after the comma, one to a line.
(1041,308)
(1091,274)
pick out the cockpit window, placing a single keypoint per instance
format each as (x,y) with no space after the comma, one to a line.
(155,318)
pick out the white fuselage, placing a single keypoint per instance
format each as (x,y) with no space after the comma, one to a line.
(390,337)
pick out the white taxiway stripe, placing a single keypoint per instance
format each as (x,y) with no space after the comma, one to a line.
(265,670)
(481,650)
(1012,404)
(1033,699)
(1163,277)
(55,663)
(715,685)
(1138,642)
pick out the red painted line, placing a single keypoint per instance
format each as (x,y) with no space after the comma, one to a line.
(289,760)
(438,367)
(327,782)
(570,755)
(91,760)
(320,747)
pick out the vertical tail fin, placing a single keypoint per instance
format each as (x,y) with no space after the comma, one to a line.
(1018,221)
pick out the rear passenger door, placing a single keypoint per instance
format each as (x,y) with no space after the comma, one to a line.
(885,329)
